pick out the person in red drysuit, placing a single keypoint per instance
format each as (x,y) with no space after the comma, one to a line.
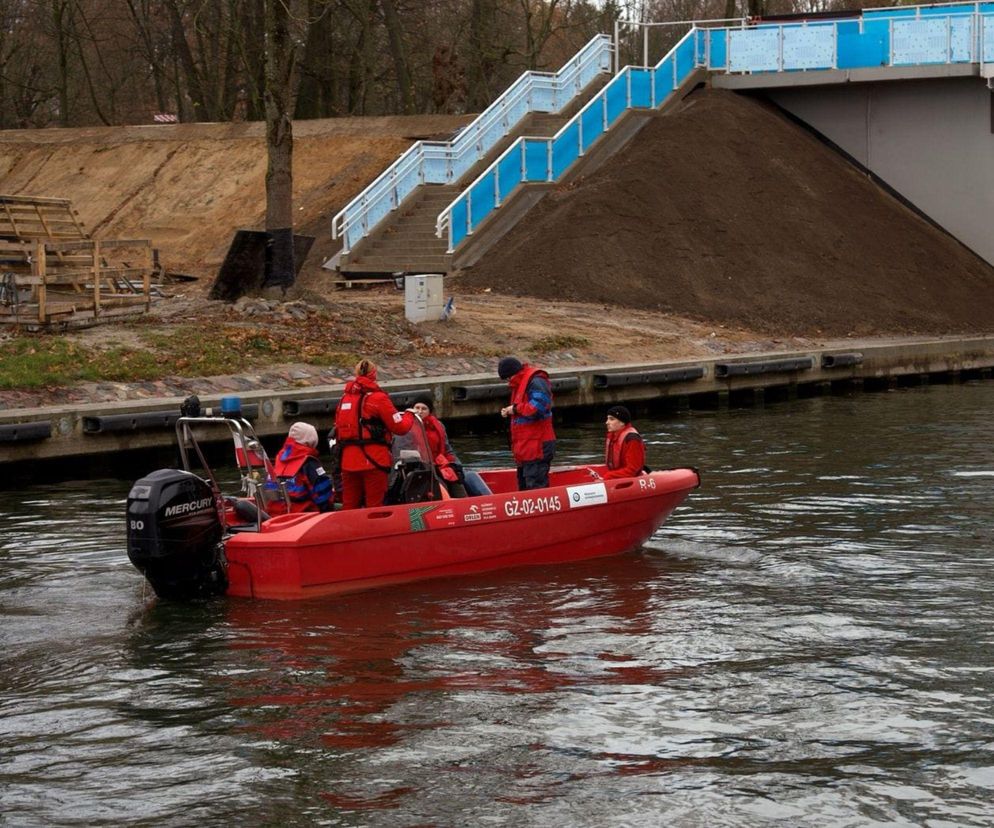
(365,421)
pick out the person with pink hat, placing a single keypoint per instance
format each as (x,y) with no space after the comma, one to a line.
(298,467)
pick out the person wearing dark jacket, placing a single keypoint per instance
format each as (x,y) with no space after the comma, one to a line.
(365,421)
(533,440)
(297,466)
(624,451)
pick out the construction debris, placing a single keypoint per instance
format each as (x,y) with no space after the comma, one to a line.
(54,276)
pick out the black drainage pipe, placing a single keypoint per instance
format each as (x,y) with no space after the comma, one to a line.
(769,366)
(300,408)
(499,390)
(493,391)
(660,377)
(840,360)
(405,399)
(562,385)
(25,432)
(147,421)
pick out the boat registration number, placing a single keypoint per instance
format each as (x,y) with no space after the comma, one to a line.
(516,507)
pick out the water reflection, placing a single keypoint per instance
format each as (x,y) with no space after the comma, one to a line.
(806,641)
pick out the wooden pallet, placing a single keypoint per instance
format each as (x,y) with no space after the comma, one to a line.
(54,283)
(52,272)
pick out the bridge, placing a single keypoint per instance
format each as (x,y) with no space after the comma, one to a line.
(904,92)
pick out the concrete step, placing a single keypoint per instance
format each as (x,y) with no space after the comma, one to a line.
(399,266)
(406,239)
(402,252)
(431,199)
(406,233)
(400,256)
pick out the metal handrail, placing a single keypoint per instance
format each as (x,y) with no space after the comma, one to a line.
(975,41)
(443,222)
(454,157)
(969,51)
(241,430)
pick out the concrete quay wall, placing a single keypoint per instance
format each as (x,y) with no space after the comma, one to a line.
(91,430)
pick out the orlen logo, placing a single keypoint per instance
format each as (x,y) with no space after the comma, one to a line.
(192,506)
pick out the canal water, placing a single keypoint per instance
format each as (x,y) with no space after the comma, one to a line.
(807,641)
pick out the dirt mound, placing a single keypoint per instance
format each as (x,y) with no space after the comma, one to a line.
(188,187)
(727,211)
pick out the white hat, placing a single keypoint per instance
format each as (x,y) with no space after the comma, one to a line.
(305,434)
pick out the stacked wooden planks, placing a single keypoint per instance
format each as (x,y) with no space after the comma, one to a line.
(52,274)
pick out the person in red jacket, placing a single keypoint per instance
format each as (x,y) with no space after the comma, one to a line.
(297,466)
(624,452)
(448,465)
(533,440)
(365,421)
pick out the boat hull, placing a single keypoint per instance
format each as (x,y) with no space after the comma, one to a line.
(576,518)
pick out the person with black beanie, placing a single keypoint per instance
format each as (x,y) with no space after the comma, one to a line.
(624,451)
(533,440)
(446,463)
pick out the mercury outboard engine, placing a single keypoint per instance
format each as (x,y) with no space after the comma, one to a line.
(174,535)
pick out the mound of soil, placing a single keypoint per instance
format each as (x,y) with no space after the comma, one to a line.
(725,210)
(189,187)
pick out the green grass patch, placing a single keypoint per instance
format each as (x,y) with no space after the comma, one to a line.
(47,361)
(38,362)
(548,344)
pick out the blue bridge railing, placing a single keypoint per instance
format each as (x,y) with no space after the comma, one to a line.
(438,162)
(897,37)
(910,36)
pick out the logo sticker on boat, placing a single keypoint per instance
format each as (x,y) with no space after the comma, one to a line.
(416,514)
(589,494)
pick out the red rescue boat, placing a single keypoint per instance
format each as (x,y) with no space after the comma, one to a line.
(190,541)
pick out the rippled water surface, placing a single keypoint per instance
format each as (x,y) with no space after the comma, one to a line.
(807,641)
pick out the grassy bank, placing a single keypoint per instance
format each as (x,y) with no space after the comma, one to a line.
(28,362)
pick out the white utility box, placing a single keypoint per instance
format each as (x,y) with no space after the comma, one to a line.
(423,297)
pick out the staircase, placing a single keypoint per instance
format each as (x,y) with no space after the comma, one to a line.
(405,241)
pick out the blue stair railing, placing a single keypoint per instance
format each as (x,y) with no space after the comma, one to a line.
(546,159)
(443,162)
(896,37)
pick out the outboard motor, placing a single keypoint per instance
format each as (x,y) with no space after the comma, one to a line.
(175,535)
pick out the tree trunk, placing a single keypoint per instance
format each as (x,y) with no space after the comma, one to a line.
(317,94)
(395,36)
(481,42)
(194,83)
(61,20)
(279,60)
(359,60)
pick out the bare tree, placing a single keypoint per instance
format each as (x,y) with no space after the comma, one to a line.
(395,37)
(281,51)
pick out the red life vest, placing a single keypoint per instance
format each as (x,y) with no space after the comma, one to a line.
(364,420)
(290,468)
(529,437)
(615,450)
(351,428)
(437,439)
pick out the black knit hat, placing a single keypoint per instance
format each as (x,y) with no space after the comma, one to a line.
(619,412)
(508,367)
(424,399)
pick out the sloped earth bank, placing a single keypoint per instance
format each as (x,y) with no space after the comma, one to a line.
(727,211)
(722,229)
(188,187)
